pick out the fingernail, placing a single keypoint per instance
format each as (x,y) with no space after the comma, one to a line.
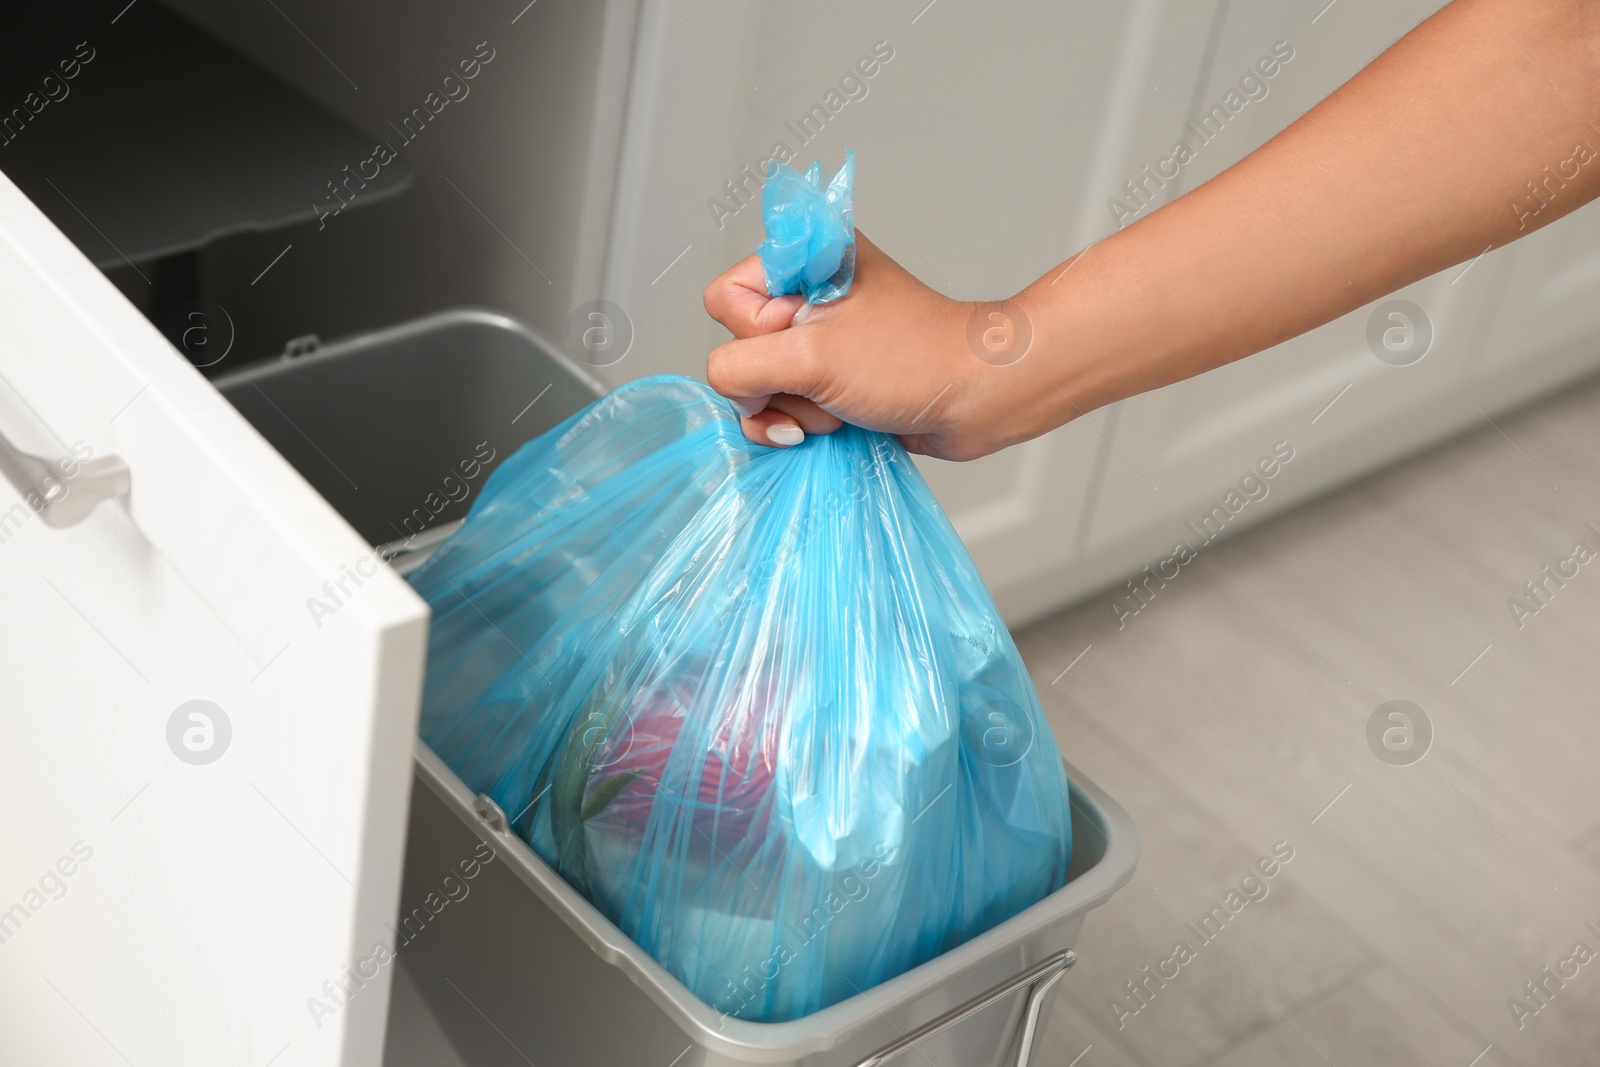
(785,435)
(803,313)
(744,412)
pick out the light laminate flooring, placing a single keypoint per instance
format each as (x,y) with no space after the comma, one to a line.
(1232,714)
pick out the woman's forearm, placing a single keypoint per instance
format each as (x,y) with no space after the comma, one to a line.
(1478,127)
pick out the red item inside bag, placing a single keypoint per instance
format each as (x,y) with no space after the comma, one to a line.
(736,771)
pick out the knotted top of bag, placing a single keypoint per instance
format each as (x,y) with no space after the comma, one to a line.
(810,248)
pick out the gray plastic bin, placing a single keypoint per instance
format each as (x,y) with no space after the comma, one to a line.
(376,422)
(564,986)
(521,969)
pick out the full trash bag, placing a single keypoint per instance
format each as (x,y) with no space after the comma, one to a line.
(754,703)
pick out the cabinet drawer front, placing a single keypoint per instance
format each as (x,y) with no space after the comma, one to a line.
(210,697)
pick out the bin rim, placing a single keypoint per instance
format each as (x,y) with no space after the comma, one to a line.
(820,1031)
(408,330)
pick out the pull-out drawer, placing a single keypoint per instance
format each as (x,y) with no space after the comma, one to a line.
(204,785)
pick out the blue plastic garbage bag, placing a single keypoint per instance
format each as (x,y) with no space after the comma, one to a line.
(754,703)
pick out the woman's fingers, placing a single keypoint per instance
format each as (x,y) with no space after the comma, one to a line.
(768,371)
(773,427)
(787,420)
(738,299)
(751,370)
(892,356)
(804,413)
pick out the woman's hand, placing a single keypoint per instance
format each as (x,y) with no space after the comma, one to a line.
(890,356)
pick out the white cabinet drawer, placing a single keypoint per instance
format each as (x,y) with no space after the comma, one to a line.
(207,900)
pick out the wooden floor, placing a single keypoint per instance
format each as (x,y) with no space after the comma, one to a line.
(1232,714)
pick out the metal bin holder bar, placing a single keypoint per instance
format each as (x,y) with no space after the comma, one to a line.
(1038,980)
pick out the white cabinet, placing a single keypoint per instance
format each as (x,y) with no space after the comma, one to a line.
(1314,411)
(180,879)
(1329,43)
(1546,325)
(1182,452)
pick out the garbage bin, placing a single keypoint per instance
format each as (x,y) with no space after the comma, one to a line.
(513,963)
